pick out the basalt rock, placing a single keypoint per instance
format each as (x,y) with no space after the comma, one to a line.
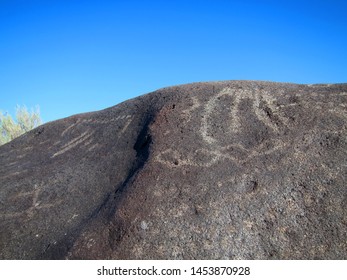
(225,170)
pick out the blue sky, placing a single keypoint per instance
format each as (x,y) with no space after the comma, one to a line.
(73,56)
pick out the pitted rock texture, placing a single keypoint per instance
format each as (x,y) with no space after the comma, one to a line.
(224,170)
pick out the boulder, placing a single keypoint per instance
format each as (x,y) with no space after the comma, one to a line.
(220,170)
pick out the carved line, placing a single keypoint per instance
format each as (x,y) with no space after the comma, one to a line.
(215,156)
(125,127)
(261,113)
(93,147)
(105,121)
(210,105)
(71,126)
(34,205)
(73,143)
(188,111)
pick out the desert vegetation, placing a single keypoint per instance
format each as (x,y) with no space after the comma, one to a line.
(24,120)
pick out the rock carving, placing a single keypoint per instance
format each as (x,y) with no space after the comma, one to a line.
(222,170)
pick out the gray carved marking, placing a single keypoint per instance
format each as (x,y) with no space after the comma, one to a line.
(225,170)
(36,204)
(219,151)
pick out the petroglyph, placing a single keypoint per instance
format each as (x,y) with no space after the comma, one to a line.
(28,149)
(200,158)
(94,121)
(264,108)
(93,147)
(88,142)
(206,158)
(128,122)
(70,127)
(108,120)
(262,104)
(236,170)
(74,216)
(187,113)
(267,112)
(86,138)
(35,204)
(73,143)
(227,102)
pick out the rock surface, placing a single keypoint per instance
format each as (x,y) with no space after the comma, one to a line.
(225,170)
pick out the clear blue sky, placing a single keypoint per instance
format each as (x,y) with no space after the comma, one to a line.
(71,56)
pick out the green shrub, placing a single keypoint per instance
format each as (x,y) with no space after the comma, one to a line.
(24,121)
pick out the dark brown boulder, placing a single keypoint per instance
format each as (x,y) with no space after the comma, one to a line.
(225,170)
